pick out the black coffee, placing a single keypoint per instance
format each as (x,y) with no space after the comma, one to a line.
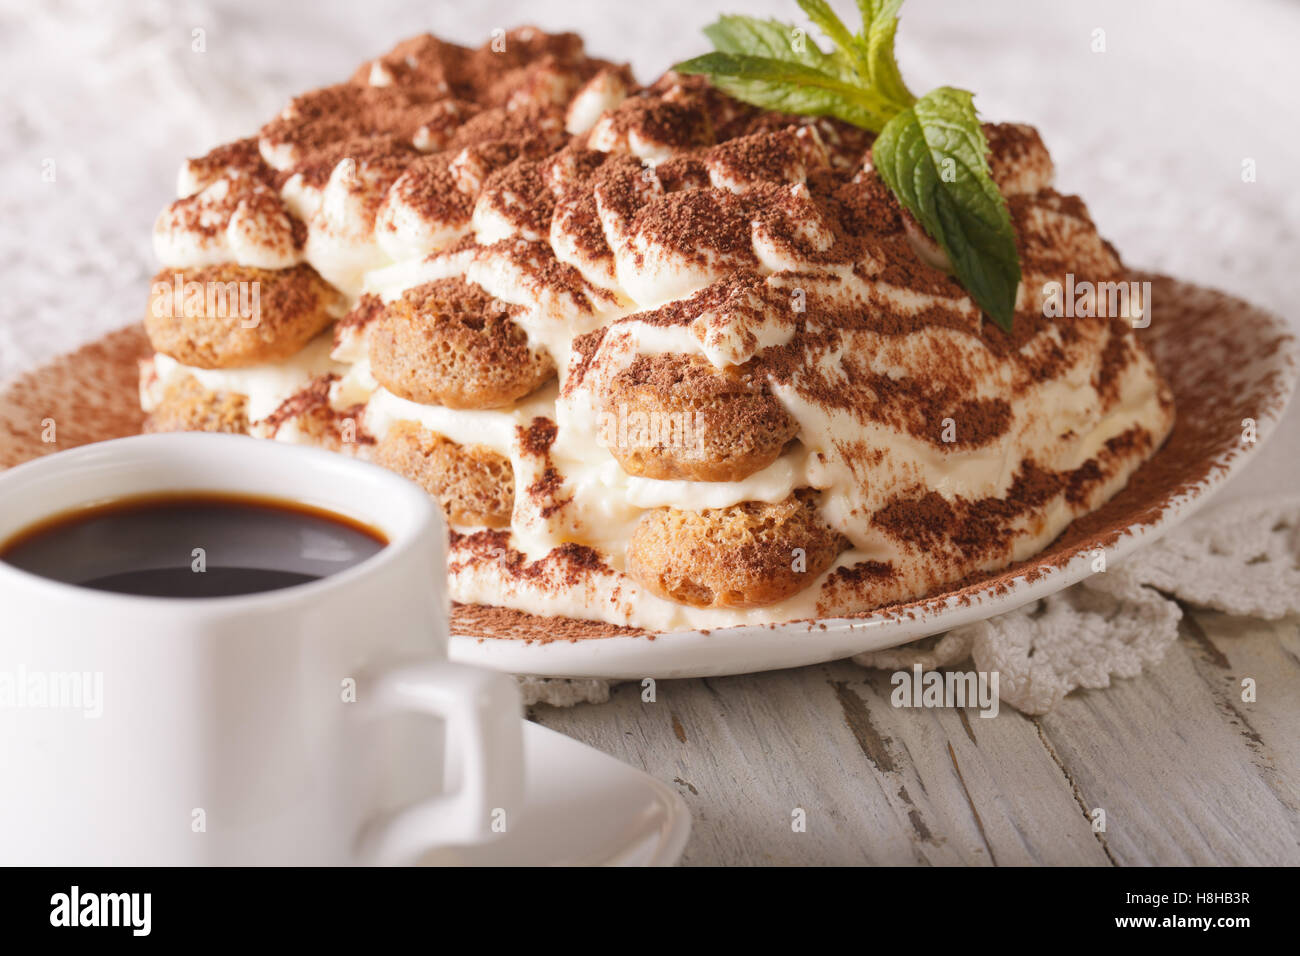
(192,545)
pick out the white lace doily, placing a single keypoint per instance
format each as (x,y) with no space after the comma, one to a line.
(1243,559)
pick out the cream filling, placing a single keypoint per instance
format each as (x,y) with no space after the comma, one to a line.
(602,93)
(341,238)
(355,386)
(225,228)
(264,386)
(491,428)
(405,233)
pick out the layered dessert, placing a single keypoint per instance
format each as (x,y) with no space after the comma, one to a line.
(664,359)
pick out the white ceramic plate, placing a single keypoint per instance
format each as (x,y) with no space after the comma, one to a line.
(1226,360)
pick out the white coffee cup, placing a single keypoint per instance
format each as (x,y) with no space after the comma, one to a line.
(316,724)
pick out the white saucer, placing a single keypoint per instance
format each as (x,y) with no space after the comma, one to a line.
(582,808)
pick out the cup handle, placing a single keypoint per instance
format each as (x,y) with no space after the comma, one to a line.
(482,710)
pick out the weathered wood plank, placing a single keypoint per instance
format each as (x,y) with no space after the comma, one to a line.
(1180,784)
(1185,770)
(1226,650)
(878,784)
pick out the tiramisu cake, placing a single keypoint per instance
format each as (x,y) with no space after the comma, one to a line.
(665,359)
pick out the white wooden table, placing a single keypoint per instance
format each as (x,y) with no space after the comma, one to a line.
(1185,771)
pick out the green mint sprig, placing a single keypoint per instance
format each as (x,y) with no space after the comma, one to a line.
(930,151)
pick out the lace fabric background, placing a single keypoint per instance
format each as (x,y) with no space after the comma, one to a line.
(102,101)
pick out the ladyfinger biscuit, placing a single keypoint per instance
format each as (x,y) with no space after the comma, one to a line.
(231,316)
(747,555)
(680,417)
(449,343)
(474,485)
(186,406)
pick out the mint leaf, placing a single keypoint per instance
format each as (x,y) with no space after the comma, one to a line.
(934,157)
(750,36)
(879,25)
(791,87)
(931,152)
(852,56)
